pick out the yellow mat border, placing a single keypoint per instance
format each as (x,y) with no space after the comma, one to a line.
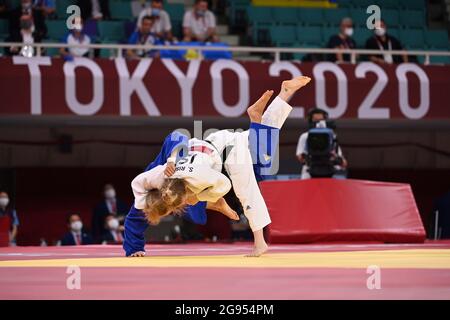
(408,258)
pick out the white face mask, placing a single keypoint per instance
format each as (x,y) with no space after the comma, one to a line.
(78,27)
(76,226)
(380,32)
(348,32)
(110,194)
(4,202)
(113,224)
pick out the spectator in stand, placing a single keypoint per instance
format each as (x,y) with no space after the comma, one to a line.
(162,26)
(109,206)
(75,236)
(199,24)
(95,9)
(27,35)
(7,211)
(384,42)
(16,21)
(342,40)
(114,231)
(47,7)
(76,36)
(144,36)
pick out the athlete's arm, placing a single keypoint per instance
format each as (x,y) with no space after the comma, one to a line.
(152,179)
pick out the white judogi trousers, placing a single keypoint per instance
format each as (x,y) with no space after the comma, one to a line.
(239,164)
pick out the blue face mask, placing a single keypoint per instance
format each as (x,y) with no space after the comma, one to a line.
(156,12)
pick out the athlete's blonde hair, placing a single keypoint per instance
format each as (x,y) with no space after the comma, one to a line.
(169,199)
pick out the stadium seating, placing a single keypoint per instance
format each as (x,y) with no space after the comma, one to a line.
(283,35)
(285,16)
(280,26)
(120,10)
(333,17)
(238,12)
(412,39)
(437,39)
(111,31)
(176,13)
(56,29)
(403,18)
(311,17)
(61,8)
(4,29)
(310,36)
(412,19)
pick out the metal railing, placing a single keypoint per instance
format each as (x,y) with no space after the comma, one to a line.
(277,51)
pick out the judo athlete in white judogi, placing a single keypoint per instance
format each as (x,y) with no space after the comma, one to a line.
(245,163)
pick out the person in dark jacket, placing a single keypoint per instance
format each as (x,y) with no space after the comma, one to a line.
(384,42)
(342,40)
(114,233)
(27,35)
(75,236)
(16,20)
(110,205)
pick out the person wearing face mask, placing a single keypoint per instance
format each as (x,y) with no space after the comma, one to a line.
(162,26)
(16,24)
(75,236)
(110,205)
(78,37)
(114,233)
(343,40)
(27,36)
(384,42)
(199,24)
(7,212)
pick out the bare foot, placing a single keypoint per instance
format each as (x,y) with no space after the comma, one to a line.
(138,254)
(258,251)
(222,206)
(289,87)
(256,110)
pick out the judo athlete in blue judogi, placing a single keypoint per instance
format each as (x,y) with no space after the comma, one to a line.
(248,161)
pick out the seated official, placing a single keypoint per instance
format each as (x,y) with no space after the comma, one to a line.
(114,231)
(75,236)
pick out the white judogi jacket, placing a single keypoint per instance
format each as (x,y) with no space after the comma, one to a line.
(200,170)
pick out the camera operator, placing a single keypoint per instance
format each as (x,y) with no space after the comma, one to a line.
(318,150)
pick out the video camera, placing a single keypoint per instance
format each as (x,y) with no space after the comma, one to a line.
(322,149)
